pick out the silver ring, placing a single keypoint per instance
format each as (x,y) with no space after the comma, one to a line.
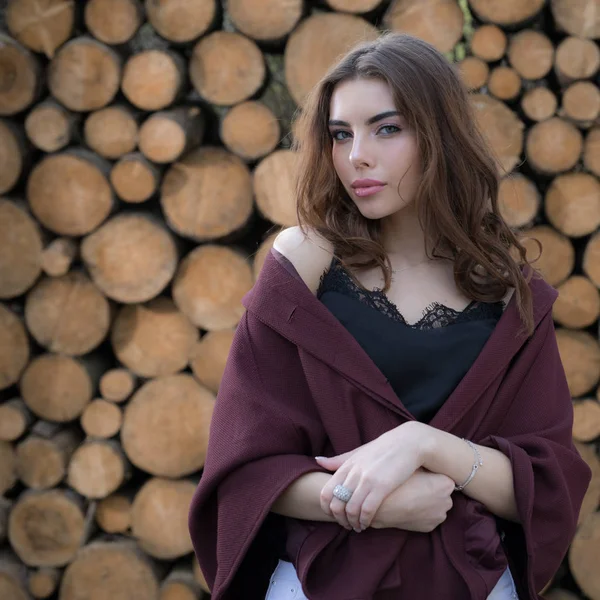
(342,493)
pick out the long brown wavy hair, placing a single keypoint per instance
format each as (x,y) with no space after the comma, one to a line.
(457,199)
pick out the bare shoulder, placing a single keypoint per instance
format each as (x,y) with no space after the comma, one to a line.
(310,254)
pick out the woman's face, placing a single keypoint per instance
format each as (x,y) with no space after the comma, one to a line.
(371,140)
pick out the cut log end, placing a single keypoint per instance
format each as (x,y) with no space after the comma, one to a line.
(69,79)
(227,68)
(474,72)
(42,27)
(184,21)
(113,21)
(578,303)
(539,103)
(134,178)
(504,83)
(518,200)
(572,204)
(553,146)
(112,131)
(250,130)
(489,43)
(117,385)
(273,20)
(49,126)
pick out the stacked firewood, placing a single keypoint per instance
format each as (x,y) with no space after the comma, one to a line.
(145,167)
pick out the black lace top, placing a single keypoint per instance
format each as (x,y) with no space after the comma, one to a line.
(423,361)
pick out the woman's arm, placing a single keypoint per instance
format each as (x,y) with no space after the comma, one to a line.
(420,504)
(493,483)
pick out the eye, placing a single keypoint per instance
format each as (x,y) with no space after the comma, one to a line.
(394,127)
(334,135)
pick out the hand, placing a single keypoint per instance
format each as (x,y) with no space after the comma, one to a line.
(371,472)
(420,504)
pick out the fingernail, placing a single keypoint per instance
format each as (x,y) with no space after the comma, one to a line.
(358,530)
(320,457)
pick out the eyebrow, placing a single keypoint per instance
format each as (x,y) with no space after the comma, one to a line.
(369,121)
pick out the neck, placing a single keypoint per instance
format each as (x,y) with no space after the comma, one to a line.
(404,238)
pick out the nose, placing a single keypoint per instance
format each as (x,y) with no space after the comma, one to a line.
(360,155)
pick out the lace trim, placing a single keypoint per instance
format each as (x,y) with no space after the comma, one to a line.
(435,315)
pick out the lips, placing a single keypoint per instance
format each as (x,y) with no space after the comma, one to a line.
(365,183)
(366,187)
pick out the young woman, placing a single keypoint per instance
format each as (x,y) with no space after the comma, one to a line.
(401,332)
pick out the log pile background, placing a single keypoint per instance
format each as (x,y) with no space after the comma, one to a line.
(144,170)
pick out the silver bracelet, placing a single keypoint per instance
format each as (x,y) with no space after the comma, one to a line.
(478,463)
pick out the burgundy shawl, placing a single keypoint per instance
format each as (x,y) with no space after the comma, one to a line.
(298,385)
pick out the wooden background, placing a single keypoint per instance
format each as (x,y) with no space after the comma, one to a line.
(144,168)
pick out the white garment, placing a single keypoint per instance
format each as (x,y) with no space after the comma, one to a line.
(285,585)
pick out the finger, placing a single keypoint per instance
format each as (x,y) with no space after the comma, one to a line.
(338,510)
(370,506)
(354,505)
(327,492)
(333,463)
